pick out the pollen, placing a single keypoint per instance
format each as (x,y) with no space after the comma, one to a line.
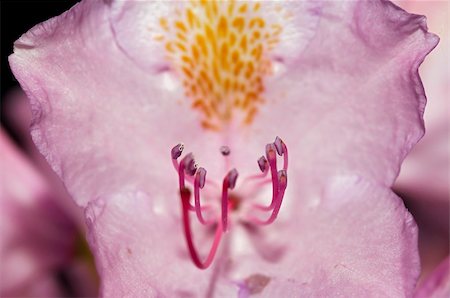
(221,52)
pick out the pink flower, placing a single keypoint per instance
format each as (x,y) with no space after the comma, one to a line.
(115,86)
(423,181)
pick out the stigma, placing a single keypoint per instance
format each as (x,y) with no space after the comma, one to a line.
(192,179)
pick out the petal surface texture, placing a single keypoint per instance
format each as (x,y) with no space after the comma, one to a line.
(345,95)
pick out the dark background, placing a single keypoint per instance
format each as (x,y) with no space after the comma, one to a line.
(17,17)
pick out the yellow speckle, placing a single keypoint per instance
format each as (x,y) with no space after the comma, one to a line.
(220,50)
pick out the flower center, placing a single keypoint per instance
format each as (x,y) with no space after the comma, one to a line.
(189,172)
(220,50)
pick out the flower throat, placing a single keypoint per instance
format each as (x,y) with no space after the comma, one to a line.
(220,51)
(189,173)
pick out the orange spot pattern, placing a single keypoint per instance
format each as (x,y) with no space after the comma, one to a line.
(220,49)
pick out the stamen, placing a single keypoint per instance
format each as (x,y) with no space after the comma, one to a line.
(201,177)
(185,198)
(188,169)
(263,165)
(279,146)
(199,183)
(188,160)
(232,178)
(175,154)
(282,179)
(190,166)
(177,150)
(282,151)
(229,182)
(272,158)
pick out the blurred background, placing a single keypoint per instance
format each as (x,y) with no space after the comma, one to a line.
(43,247)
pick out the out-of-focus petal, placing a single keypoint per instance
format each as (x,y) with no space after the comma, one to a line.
(35,233)
(437,285)
(17,118)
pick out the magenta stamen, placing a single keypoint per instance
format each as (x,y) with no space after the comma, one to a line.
(181,177)
(282,151)
(190,167)
(229,182)
(199,183)
(188,170)
(185,198)
(272,158)
(282,177)
(175,153)
(177,150)
(263,165)
(279,145)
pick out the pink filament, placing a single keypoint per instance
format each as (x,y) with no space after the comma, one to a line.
(278,190)
(257,177)
(225,203)
(276,209)
(275,185)
(198,208)
(185,198)
(176,166)
(181,182)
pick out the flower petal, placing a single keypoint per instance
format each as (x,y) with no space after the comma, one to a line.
(83,115)
(141,251)
(353,101)
(105,126)
(352,237)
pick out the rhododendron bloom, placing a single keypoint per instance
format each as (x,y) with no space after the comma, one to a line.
(116,86)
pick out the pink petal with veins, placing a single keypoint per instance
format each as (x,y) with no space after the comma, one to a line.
(348,101)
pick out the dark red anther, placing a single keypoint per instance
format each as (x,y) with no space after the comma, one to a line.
(190,166)
(176,151)
(262,163)
(279,145)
